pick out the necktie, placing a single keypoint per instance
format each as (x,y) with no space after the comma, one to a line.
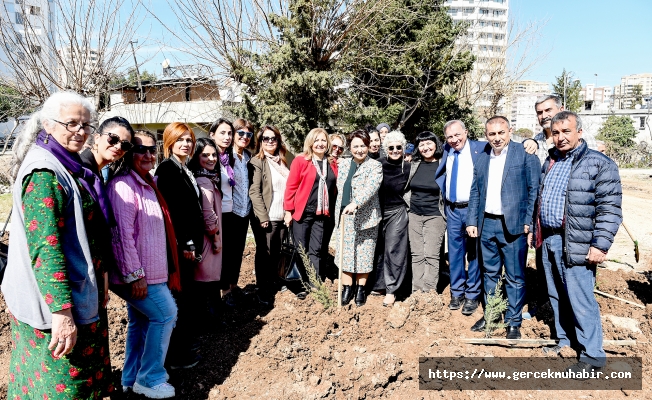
(453,193)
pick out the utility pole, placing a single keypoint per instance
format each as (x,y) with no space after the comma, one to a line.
(141,93)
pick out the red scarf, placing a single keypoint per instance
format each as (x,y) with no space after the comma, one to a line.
(174,280)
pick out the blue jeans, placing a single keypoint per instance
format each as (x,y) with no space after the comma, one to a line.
(500,248)
(577,315)
(151,321)
(460,246)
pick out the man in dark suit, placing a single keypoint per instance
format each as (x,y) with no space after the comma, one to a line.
(501,206)
(454,177)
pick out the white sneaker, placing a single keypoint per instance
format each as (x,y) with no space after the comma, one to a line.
(161,391)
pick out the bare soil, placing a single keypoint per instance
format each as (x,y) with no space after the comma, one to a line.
(297,350)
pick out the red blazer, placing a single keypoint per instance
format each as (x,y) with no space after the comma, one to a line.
(299,185)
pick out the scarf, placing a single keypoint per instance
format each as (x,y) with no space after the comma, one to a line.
(174,280)
(88,179)
(278,165)
(211,175)
(224,160)
(322,190)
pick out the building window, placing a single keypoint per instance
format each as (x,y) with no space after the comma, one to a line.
(484,11)
(33,10)
(469,10)
(19,19)
(642,126)
(499,36)
(499,13)
(452,11)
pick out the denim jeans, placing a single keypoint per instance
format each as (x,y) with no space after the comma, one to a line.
(151,321)
(577,315)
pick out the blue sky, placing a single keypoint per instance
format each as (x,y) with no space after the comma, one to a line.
(610,38)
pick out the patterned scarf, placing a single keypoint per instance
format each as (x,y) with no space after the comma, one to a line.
(224,160)
(322,190)
(211,175)
(278,165)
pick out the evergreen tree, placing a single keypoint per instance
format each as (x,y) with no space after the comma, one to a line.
(569,89)
(618,130)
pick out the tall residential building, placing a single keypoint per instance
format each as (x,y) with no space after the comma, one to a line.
(486,38)
(624,94)
(597,98)
(520,104)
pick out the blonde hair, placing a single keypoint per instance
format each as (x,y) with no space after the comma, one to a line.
(310,140)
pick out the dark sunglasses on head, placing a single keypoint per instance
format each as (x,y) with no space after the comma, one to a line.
(245,133)
(114,139)
(140,149)
(337,148)
(269,139)
(398,148)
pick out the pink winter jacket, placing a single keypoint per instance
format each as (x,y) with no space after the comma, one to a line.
(142,249)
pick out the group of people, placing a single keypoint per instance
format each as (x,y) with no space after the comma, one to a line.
(170,242)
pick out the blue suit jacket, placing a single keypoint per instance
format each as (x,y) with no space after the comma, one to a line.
(518,193)
(440,175)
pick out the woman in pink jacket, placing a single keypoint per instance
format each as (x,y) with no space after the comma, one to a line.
(146,256)
(205,166)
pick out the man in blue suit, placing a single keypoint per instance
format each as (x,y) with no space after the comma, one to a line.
(501,207)
(454,177)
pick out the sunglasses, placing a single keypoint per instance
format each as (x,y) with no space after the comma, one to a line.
(114,139)
(249,135)
(337,148)
(269,139)
(140,149)
(398,148)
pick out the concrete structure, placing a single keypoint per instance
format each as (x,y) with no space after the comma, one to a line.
(593,120)
(520,105)
(600,98)
(486,37)
(89,62)
(623,93)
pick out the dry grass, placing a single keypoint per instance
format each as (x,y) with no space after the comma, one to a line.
(5,207)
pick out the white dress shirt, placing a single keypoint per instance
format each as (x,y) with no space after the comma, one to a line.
(464,173)
(495,182)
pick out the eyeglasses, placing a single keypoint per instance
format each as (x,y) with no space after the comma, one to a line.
(249,135)
(75,127)
(140,149)
(335,148)
(114,139)
(398,148)
(268,139)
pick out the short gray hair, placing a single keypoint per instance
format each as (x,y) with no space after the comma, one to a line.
(564,115)
(547,97)
(394,136)
(452,122)
(50,110)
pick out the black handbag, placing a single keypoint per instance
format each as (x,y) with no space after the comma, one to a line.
(4,250)
(288,263)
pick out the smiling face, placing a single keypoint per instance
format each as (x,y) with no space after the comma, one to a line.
(456,136)
(395,150)
(223,136)
(71,141)
(270,142)
(565,135)
(208,158)
(110,153)
(427,149)
(498,134)
(545,112)
(242,138)
(359,150)
(143,163)
(320,145)
(374,142)
(183,147)
(337,147)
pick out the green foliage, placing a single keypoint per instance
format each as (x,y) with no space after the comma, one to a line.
(494,309)
(315,286)
(12,104)
(524,132)
(131,78)
(637,95)
(619,130)
(573,86)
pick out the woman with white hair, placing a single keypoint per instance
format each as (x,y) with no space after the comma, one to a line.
(396,171)
(54,282)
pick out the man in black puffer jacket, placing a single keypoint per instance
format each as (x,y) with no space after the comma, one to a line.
(577,216)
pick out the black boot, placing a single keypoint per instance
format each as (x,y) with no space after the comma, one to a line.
(347,294)
(360,297)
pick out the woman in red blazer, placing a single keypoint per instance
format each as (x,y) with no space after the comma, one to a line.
(309,201)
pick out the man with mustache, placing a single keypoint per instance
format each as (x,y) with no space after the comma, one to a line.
(577,216)
(501,206)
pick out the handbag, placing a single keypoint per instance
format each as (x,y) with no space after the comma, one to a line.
(288,263)
(4,249)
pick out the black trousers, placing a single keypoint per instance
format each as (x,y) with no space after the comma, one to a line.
(268,250)
(234,238)
(185,333)
(313,232)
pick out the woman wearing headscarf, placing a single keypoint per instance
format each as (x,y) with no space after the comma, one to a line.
(54,280)
(146,256)
(357,200)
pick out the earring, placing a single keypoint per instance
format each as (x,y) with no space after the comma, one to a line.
(47,138)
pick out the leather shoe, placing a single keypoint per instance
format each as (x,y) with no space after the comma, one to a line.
(347,294)
(470,305)
(479,325)
(456,303)
(513,332)
(360,297)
